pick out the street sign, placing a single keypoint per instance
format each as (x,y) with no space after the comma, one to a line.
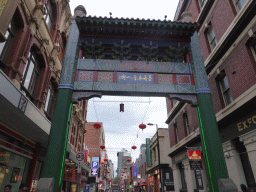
(95,164)
(94,172)
(87,187)
(95,159)
(80,156)
(195,165)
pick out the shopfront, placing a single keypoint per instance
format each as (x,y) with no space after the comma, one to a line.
(188,174)
(238,135)
(71,179)
(154,181)
(14,166)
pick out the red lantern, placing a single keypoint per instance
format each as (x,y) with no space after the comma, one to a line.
(128,160)
(97,125)
(109,172)
(125,167)
(134,147)
(142,126)
(102,146)
(123,172)
(121,107)
(102,163)
(105,159)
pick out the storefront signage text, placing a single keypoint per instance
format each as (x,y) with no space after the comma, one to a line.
(247,123)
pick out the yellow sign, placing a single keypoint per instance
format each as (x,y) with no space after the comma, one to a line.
(88,159)
(246,124)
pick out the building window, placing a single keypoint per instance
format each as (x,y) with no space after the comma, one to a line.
(176,132)
(154,151)
(224,88)
(211,37)
(202,2)
(31,75)
(9,35)
(48,13)
(185,123)
(49,103)
(253,46)
(240,3)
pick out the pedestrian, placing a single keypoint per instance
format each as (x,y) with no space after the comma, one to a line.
(7,188)
(23,187)
(243,187)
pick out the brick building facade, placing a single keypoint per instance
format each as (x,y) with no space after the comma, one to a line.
(33,37)
(227,38)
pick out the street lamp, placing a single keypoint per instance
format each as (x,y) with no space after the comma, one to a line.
(151,124)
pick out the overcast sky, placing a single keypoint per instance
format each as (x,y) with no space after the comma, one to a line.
(121,128)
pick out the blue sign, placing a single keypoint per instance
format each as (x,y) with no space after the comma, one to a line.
(87,187)
(135,170)
(142,78)
(95,164)
(95,159)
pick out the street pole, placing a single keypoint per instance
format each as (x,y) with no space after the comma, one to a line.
(213,151)
(56,151)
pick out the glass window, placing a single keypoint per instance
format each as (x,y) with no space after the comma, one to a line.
(176,132)
(30,75)
(47,100)
(154,152)
(9,33)
(212,39)
(12,169)
(240,3)
(202,2)
(2,44)
(185,122)
(224,86)
(50,101)
(48,13)
(254,47)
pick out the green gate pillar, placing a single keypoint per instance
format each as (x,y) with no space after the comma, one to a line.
(54,163)
(211,142)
